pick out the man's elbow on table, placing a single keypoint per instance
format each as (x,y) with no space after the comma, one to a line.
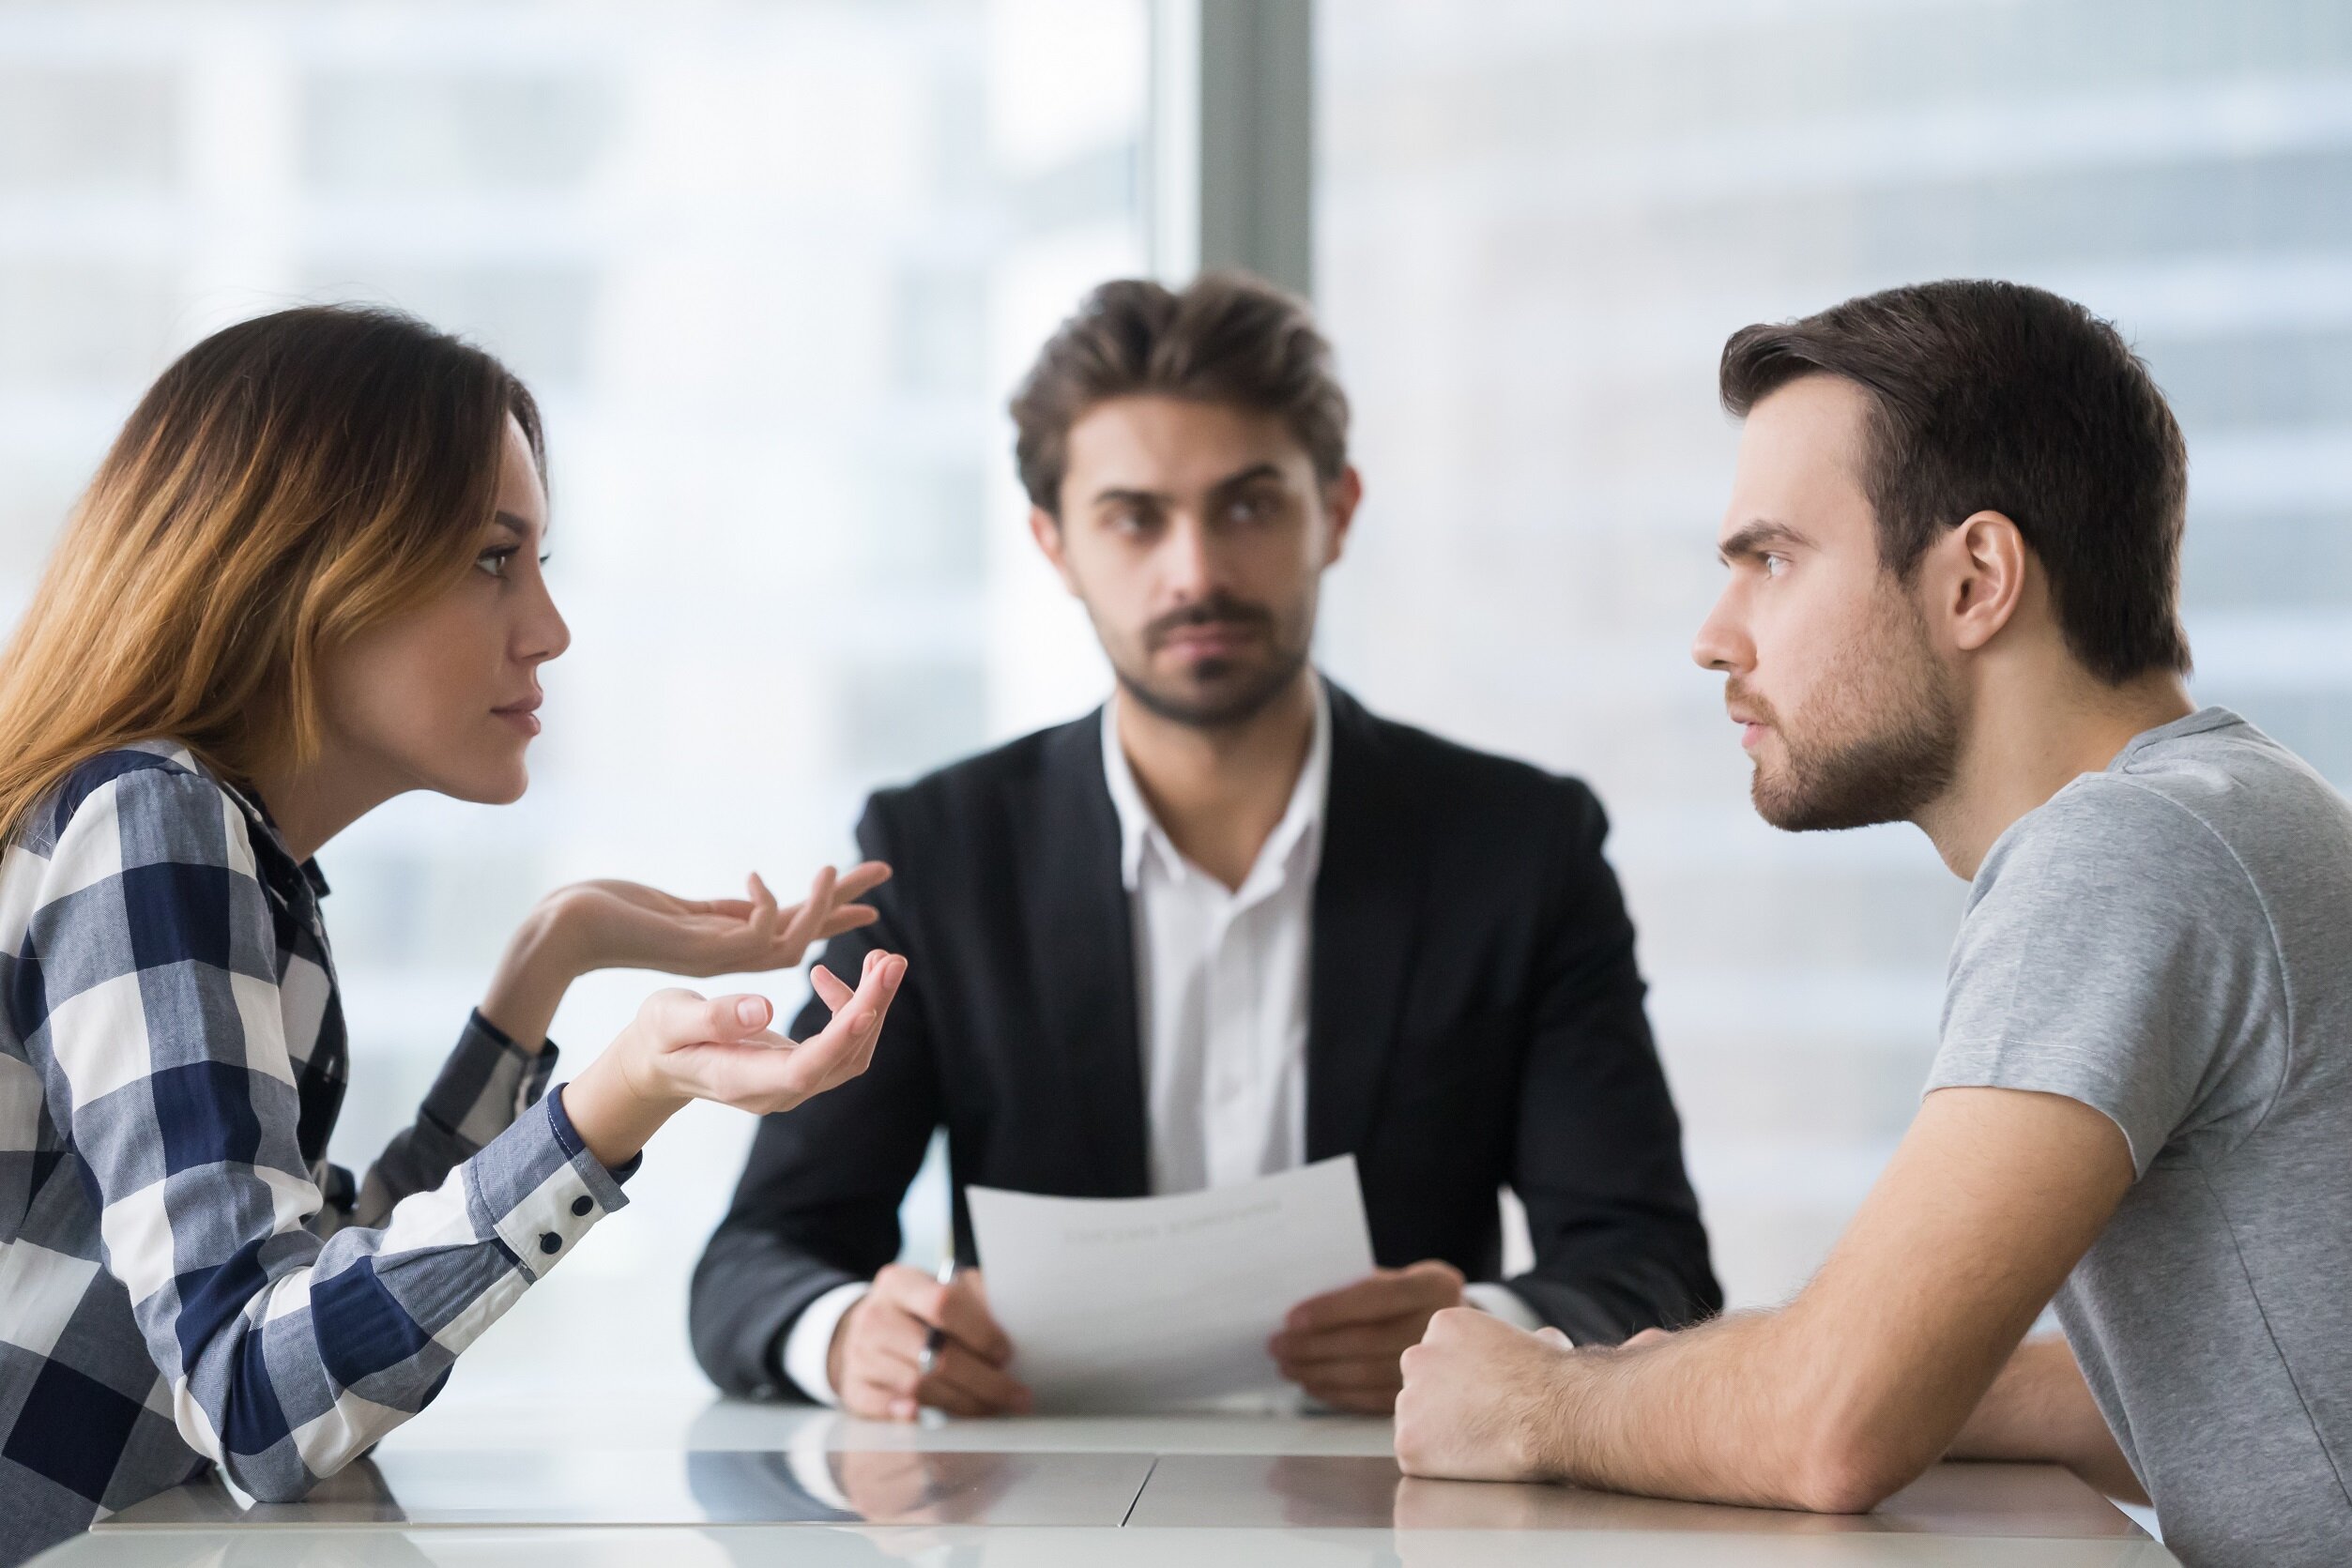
(1850,1463)
(1829,1428)
(1869,1407)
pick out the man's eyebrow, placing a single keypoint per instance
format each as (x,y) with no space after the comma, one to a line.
(1120,493)
(1753,540)
(1250,475)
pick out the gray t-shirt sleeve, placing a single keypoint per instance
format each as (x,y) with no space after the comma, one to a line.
(2115,951)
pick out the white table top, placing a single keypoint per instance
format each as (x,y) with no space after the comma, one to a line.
(584,1480)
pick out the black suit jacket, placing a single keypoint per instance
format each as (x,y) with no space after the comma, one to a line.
(1474,1021)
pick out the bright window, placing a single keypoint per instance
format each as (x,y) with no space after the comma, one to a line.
(772,270)
(1536,225)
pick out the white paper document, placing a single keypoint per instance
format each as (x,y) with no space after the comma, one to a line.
(1143,1303)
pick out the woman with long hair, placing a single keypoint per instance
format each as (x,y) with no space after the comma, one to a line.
(305,580)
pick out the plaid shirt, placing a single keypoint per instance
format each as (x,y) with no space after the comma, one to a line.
(184,1280)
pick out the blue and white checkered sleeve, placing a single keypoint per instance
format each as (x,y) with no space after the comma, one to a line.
(149,1003)
(486,1082)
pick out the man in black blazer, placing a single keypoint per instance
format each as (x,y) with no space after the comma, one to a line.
(1228,924)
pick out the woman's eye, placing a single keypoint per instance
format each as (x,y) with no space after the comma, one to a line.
(494,562)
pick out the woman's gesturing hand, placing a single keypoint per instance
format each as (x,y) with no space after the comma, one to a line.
(627,926)
(723,1051)
(684,1046)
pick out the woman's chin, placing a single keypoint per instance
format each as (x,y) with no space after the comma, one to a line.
(490,786)
(510,789)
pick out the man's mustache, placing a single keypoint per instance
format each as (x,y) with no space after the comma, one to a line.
(1216,610)
(1739,697)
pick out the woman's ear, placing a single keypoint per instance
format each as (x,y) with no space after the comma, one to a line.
(1977,578)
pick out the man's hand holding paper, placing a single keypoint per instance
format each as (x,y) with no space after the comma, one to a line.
(1344,1347)
(1225,1260)
(1141,1304)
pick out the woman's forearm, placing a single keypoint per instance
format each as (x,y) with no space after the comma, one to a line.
(2040,1408)
(613,1118)
(537,968)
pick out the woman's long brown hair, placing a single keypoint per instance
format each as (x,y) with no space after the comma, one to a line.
(287,482)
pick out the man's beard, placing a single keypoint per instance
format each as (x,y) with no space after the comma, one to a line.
(1221,694)
(1890,744)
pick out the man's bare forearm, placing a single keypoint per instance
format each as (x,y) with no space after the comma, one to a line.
(1803,1407)
(1701,1414)
(1837,1400)
(2040,1409)
(1745,1409)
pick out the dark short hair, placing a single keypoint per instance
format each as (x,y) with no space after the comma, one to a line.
(1226,338)
(1997,397)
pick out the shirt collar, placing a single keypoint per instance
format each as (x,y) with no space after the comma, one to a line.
(266,835)
(1297,835)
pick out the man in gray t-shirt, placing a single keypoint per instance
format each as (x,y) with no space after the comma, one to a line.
(1953,544)
(2167,942)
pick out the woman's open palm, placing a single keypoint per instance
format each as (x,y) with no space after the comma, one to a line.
(721,1049)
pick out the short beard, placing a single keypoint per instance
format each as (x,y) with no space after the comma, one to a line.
(1255,690)
(1228,710)
(1900,753)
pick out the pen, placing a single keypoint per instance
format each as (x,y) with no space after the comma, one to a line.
(934,1342)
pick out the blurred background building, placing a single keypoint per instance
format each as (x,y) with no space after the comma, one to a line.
(772,267)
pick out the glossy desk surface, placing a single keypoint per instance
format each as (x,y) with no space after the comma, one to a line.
(583,1482)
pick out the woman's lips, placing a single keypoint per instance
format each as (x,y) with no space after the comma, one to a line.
(522,715)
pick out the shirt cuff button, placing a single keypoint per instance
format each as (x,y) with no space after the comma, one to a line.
(582,1204)
(550,1241)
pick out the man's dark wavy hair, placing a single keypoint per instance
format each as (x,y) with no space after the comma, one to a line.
(1997,397)
(1226,338)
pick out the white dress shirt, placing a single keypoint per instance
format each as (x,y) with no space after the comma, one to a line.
(1221,980)
(1222,986)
